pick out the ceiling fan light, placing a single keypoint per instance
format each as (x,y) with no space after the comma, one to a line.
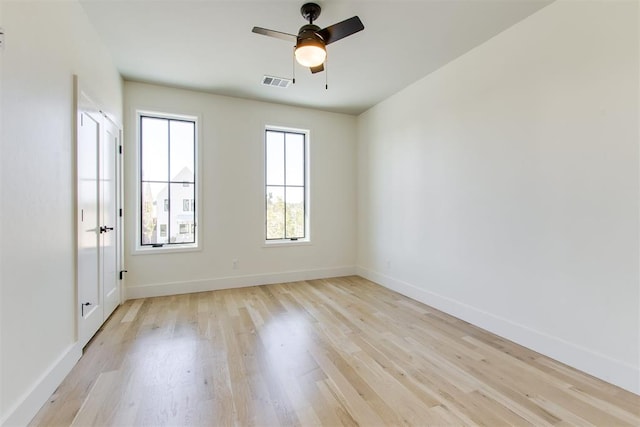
(310,53)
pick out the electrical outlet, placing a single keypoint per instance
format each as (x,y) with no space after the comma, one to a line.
(234,262)
(1,38)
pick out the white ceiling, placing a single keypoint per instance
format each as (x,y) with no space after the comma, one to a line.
(208,45)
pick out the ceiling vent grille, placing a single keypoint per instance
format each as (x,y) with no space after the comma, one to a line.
(276,81)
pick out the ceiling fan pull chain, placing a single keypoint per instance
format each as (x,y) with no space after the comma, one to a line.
(326,73)
(293,64)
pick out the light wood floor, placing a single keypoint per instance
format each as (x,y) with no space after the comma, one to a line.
(325,352)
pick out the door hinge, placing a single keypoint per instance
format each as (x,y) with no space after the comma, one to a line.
(122,273)
(120,211)
(120,149)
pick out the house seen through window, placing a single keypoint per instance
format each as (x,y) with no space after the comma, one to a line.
(168,197)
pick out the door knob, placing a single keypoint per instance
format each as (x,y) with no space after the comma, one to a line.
(104,229)
(82,306)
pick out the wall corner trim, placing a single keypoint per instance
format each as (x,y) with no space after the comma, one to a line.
(23,411)
(613,371)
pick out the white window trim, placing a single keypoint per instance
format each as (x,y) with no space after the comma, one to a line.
(307,186)
(138,249)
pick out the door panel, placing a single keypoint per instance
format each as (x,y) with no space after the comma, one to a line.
(90,312)
(109,220)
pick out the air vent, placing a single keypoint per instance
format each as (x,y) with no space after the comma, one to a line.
(276,81)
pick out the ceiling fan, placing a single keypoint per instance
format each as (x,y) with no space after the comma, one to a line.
(311,41)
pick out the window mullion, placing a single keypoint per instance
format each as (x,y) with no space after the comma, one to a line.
(169,180)
(284,154)
(304,186)
(195,168)
(141,181)
(266,187)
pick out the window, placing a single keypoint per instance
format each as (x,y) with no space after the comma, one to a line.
(286,185)
(168,195)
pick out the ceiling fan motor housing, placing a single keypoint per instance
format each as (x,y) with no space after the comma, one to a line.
(309,32)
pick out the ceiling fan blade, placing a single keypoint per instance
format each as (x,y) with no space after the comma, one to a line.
(276,34)
(317,69)
(341,30)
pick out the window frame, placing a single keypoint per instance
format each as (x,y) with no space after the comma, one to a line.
(139,248)
(307,174)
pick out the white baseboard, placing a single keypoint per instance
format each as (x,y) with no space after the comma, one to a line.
(601,366)
(31,402)
(175,288)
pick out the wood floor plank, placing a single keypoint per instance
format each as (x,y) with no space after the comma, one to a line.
(92,411)
(341,351)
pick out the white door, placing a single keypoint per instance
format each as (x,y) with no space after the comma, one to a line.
(108,216)
(90,295)
(98,142)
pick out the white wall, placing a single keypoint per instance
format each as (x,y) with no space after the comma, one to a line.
(232,222)
(503,188)
(46,43)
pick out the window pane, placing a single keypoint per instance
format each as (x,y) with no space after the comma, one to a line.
(295,159)
(154,140)
(153,214)
(295,212)
(181,149)
(275,158)
(285,160)
(168,167)
(181,216)
(275,212)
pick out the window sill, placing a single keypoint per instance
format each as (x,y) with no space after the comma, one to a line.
(169,249)
(283,243)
